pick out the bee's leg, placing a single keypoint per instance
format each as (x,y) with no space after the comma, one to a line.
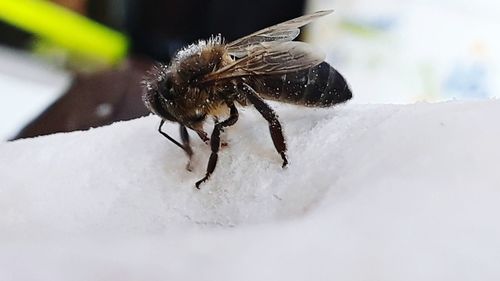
(223,143)
(272,118)
(187,147)
(203,136)
(185,141)
(216,120)
(169,137)
(215,142)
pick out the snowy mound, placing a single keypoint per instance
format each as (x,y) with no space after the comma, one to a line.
(379,192)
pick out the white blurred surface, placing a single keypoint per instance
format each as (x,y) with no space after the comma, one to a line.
(395,51)
(27,87)
(382,192)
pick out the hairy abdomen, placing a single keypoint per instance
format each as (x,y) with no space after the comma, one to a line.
(319,86)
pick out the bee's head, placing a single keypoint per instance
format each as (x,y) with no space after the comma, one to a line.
(158,91)
(160,97)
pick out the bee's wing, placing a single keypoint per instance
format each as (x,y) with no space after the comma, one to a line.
(270,58)
(282,32)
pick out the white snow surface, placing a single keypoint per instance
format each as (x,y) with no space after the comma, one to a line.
(372,192)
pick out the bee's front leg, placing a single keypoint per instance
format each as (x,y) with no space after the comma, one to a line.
(215,142)
(185,142)
(203,136)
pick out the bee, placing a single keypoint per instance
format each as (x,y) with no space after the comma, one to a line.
(208,79)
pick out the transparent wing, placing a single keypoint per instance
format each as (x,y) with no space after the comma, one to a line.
(270,58)
(282,32)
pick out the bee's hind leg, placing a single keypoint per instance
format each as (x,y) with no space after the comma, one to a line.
(215,142)
(272,118)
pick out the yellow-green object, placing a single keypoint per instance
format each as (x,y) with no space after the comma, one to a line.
(63,27)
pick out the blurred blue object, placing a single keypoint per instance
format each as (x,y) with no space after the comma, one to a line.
(467,81)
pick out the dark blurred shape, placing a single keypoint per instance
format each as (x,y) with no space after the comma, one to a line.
(14,37)
(94,100)
(234,19)
(157,29)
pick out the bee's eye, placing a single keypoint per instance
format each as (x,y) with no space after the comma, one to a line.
(167,93)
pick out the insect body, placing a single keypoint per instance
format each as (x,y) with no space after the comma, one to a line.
(210,77)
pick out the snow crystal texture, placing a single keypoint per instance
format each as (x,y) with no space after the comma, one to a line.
(372,192)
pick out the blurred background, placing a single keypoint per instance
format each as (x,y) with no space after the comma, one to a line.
(75,64)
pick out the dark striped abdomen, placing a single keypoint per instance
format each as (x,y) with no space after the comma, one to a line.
(320,86)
